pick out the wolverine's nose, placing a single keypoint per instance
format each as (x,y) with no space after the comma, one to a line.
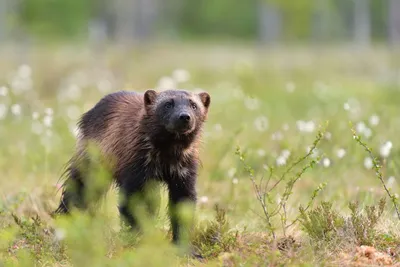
(184,117)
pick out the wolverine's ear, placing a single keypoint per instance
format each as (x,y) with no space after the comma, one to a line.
(150,97)
(205,99)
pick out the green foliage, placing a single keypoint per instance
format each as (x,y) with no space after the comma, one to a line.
(49,18)
(211,19)
(377,167)
(265,189)
(321,223)
(211,238)
(325,224)
(364,223)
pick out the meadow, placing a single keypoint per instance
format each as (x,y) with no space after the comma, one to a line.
(300,159)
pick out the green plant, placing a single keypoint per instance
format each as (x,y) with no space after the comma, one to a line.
(264,191)
(364,224)
(377,167)
(321,223)
(210,238)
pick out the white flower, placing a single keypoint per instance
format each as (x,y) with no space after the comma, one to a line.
(251,103)
(48,120)
(35,115)
(16,109)
(231,172)
(203,199)
(328,136)
(315,152)
(290,87)
(20,85)
(285,153)
(368,164)
(346,106)
(48,111)
(181,75)
(3,111)
(367,133)
(235,181)
(280,161)
(261,123)
(3,91)
(326,162)
(340,153)
(277,136)
(285,127)
(374,120)
(360,127)
(166,83)
(261,152)
(305,126)
(390,182)
(60,234)
(24,71)
(385,149)
(218,127)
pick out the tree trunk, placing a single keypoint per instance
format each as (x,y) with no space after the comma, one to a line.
(320,22)
(3,20)
(269,22)
(134,19)
(362,22)
(394,22)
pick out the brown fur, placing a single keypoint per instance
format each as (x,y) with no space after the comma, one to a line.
(146,139)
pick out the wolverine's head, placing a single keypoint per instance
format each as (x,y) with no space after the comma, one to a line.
(179,111)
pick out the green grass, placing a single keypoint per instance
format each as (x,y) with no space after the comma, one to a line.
(264,102)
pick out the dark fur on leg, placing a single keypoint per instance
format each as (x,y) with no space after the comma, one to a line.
(73,192)
(131,192)
(180,193)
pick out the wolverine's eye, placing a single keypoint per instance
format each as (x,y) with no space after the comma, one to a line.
(168,105)
(194,106)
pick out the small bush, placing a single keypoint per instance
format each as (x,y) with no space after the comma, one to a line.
(364,223)
(211,238)
(321,223)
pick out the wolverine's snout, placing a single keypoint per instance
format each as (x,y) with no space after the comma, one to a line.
(184,117)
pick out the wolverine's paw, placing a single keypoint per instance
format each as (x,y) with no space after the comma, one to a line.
(196,255)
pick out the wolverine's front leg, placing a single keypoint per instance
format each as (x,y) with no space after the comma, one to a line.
(181,191)
(131,193)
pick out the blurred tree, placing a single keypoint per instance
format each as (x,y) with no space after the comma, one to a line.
(222,18)
(134,20)
(297,16)
(49,18)
(394,22)
(326,24)
(362,22)
(3,20)
(269,22)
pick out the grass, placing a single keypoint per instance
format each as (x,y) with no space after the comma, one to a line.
(290,188)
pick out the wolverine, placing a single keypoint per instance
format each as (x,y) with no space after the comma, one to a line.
(145,137)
